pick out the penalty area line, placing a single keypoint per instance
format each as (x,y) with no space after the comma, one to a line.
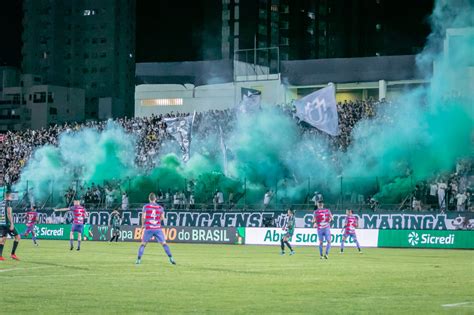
(457,304)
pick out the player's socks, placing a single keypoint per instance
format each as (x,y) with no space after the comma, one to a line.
(328,247)
(282,245)
(321,250)
(138,261)
(34,239)
(78,245)
(167,250)
(326,256)
(357,244)
(1,249)
(112,239)
(292,252)
(71,243)
(140,252)
(289,246)
(15,245)
(116,239)
(172,261)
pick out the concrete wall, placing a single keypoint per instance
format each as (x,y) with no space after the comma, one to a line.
(226,95)
(203,98)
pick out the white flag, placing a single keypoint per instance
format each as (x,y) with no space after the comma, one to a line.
(319,110)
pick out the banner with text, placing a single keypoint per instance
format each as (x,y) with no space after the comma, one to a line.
(200,235)
(47,231)
(367,220)
(426,239)
(307,237)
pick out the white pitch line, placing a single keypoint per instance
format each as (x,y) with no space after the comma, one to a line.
(14,269)
(457,304)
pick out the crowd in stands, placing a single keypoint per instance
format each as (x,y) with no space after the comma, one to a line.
(151,132)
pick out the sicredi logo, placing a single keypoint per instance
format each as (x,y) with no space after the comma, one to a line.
(413,238)
(426,238)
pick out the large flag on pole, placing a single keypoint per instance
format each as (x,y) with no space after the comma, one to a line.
(180,129)
(319,110)
(250,100)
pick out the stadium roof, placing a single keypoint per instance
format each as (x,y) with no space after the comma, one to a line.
(294,72)
(193,72)
(346,70)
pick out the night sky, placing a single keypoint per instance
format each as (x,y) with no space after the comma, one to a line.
(187,30)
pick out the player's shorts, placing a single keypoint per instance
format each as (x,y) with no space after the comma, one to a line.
(324,234)
(289,234)
(158,234)
(29,229)
(77,228)
(116,229)
(349,233)
(5,230)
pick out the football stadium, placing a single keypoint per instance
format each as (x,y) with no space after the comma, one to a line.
(237,157)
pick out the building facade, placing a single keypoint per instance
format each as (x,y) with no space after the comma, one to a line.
(26,102)
(315,29)
(84,44)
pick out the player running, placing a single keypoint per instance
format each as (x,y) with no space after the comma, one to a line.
(152,216)
(31,219)
(322,220)
(352,222)
(7,227)
(79,215)
(116,221)
(290,229)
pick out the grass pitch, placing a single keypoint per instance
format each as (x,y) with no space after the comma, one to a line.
(102,278)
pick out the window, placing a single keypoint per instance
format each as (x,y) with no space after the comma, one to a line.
(94,85)
(86,55)
(103,69)
(162,102)
(93,70)
(53,111)
(85,70)
(103,55)
(88,12)
(50,97)
(103,40)
(94,41)
(274,8)
(39,97)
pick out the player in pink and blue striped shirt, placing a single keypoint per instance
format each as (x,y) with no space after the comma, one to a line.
(152,216)
(322,221)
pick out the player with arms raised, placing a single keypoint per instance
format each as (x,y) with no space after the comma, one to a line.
(322,221)
(31,219)
(79,215)
(290,229)
(152,216)
(350,225)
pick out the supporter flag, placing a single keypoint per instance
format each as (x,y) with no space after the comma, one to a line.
(319,110)
(250,101)
(224,150)
(180,129)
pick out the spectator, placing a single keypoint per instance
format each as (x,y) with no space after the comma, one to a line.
(267,198)
(124,201)
(416,205)
(461,201)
